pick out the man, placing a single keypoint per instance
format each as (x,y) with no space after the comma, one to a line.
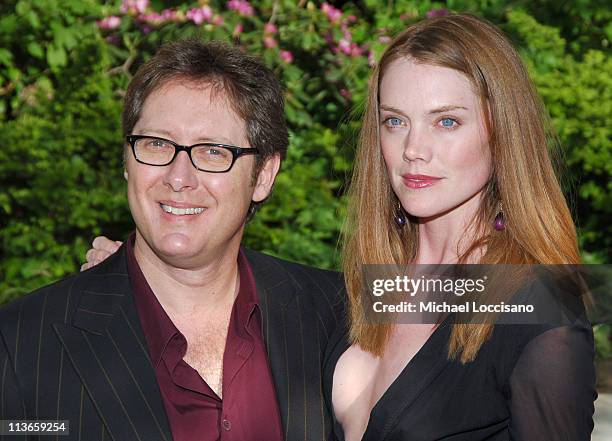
(182,334)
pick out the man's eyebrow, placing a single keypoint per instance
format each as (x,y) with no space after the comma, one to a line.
(166,134)
(156,132)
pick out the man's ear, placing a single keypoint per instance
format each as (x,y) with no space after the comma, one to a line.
(266,177)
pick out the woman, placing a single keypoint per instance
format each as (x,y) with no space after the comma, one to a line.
(453,132)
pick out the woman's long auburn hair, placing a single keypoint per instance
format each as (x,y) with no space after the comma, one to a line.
(539,226)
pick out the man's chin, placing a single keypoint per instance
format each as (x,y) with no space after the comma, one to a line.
(176,245)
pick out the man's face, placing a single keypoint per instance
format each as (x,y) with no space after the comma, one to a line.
(189,113)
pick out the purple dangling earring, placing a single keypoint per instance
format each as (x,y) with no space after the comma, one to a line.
(500,221)
(399,216)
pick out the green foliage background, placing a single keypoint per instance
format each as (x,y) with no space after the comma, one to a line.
(62,78)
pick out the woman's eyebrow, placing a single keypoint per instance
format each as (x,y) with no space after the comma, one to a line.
(391,109)
(441,109)
(448,108)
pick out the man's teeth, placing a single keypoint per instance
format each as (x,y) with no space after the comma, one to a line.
(181,211)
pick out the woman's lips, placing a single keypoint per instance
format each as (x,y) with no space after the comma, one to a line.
(419,181)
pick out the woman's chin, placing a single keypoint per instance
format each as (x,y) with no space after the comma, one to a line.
(425,213)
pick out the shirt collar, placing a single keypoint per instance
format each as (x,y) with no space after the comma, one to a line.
(157,326)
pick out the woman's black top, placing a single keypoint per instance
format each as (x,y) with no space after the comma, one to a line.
(528,382)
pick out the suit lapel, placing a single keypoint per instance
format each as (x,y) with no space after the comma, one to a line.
(274,292)
(291,333)
(106,346)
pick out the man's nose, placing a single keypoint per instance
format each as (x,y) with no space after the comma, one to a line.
(181,173)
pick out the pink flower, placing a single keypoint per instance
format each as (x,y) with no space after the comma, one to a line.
(437,13)
(270,28)
(286,56)
(217,20)
(384,39)
(169,15)
(110,22)
(346,94)
(152,18)
(333,14)
(344,46)
(172,15)
(270,42)
(356,51)
(200,15)
(207,12)
(243,7)
(196,15)
(238,30)
(141,5)
(134,6)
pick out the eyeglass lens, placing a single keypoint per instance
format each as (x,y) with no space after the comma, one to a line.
(155,151)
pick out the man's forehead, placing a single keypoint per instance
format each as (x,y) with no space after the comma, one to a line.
(214,89)
(199,95)
(200,111)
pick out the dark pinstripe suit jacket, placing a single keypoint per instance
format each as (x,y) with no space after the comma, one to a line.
(75,350)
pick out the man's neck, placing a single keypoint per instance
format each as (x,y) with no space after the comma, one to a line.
(191,292)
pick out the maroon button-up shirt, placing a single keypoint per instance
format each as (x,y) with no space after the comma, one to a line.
(249,408)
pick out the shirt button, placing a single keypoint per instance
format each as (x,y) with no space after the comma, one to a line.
(227,425)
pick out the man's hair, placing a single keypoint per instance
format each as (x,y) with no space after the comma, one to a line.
(251,88)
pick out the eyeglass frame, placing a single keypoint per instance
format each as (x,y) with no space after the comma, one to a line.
(236,151)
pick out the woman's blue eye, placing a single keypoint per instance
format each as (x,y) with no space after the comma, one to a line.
(393,122)
(448,122)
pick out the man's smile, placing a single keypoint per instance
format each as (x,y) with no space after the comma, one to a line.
(182,211)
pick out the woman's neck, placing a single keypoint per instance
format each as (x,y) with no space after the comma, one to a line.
(444,238)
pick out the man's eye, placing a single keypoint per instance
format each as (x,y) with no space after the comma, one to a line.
(158,143)
(212,154)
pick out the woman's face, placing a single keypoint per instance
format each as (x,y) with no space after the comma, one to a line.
(433,139)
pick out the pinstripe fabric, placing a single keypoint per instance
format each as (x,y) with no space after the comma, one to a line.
(75,350)
(301,307)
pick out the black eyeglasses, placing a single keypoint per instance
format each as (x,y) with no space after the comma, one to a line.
(207,156)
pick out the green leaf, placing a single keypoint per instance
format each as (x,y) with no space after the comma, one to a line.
(6,57)
(22,7)
(33,19)
(36,50)
(63,37)
(56,56)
